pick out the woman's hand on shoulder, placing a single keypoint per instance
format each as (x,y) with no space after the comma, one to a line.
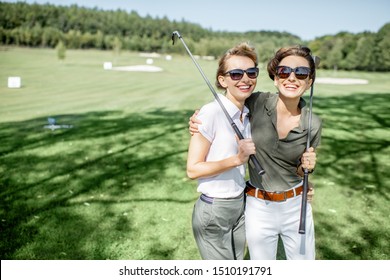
(193,123)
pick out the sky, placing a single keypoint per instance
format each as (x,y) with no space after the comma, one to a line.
(306,19)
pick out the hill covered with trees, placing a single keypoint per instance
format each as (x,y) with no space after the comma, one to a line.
(34,25)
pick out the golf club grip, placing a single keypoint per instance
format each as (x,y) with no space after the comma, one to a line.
(302,221)
(256,163)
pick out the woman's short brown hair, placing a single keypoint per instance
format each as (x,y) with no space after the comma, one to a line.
(302,51)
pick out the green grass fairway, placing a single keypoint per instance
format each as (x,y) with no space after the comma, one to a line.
(114,185)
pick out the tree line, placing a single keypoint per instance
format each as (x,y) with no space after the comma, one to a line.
(36,25)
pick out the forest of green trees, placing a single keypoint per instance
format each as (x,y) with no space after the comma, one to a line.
(34,25)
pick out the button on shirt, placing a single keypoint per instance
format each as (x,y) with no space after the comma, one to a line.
(217,130)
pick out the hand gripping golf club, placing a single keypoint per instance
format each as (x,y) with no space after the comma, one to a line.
(252,158)
(302,222)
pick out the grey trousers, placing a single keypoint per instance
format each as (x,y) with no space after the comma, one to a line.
(219,228)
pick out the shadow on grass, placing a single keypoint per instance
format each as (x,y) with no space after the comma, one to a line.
(62,190)
(356,131)
(48,177)
(354,164)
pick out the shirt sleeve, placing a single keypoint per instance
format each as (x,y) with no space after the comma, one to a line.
(207,117)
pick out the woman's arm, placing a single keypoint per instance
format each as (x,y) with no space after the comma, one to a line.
(198,167)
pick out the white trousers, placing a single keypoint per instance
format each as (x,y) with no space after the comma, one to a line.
(265,221)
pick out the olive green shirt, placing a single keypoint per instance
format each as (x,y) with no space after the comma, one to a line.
(278,157)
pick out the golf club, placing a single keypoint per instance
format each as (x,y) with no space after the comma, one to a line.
(252,158)
(302,222)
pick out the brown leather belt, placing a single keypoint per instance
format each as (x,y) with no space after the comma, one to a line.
(273,196)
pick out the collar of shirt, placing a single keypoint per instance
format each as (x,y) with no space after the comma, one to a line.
(270,106)
(232,109)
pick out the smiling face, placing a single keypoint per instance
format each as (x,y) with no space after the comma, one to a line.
(292,87)
(238,90)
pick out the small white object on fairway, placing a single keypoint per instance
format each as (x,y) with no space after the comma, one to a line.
(53,126)
(107,65)
(14,82)
(341,81)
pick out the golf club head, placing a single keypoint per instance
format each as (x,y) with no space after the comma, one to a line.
(316,61)
(174,35)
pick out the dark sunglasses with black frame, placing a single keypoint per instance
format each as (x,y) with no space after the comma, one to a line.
(237,74)
(301,72)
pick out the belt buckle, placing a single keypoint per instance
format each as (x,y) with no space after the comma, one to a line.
(284,196)
(256,192)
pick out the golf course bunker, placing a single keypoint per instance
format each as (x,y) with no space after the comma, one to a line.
(341,81)
(138,68)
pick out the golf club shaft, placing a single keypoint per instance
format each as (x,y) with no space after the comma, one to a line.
(252,158)
(302,222)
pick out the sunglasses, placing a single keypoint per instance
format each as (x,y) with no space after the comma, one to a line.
(237,74)
(300,72)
